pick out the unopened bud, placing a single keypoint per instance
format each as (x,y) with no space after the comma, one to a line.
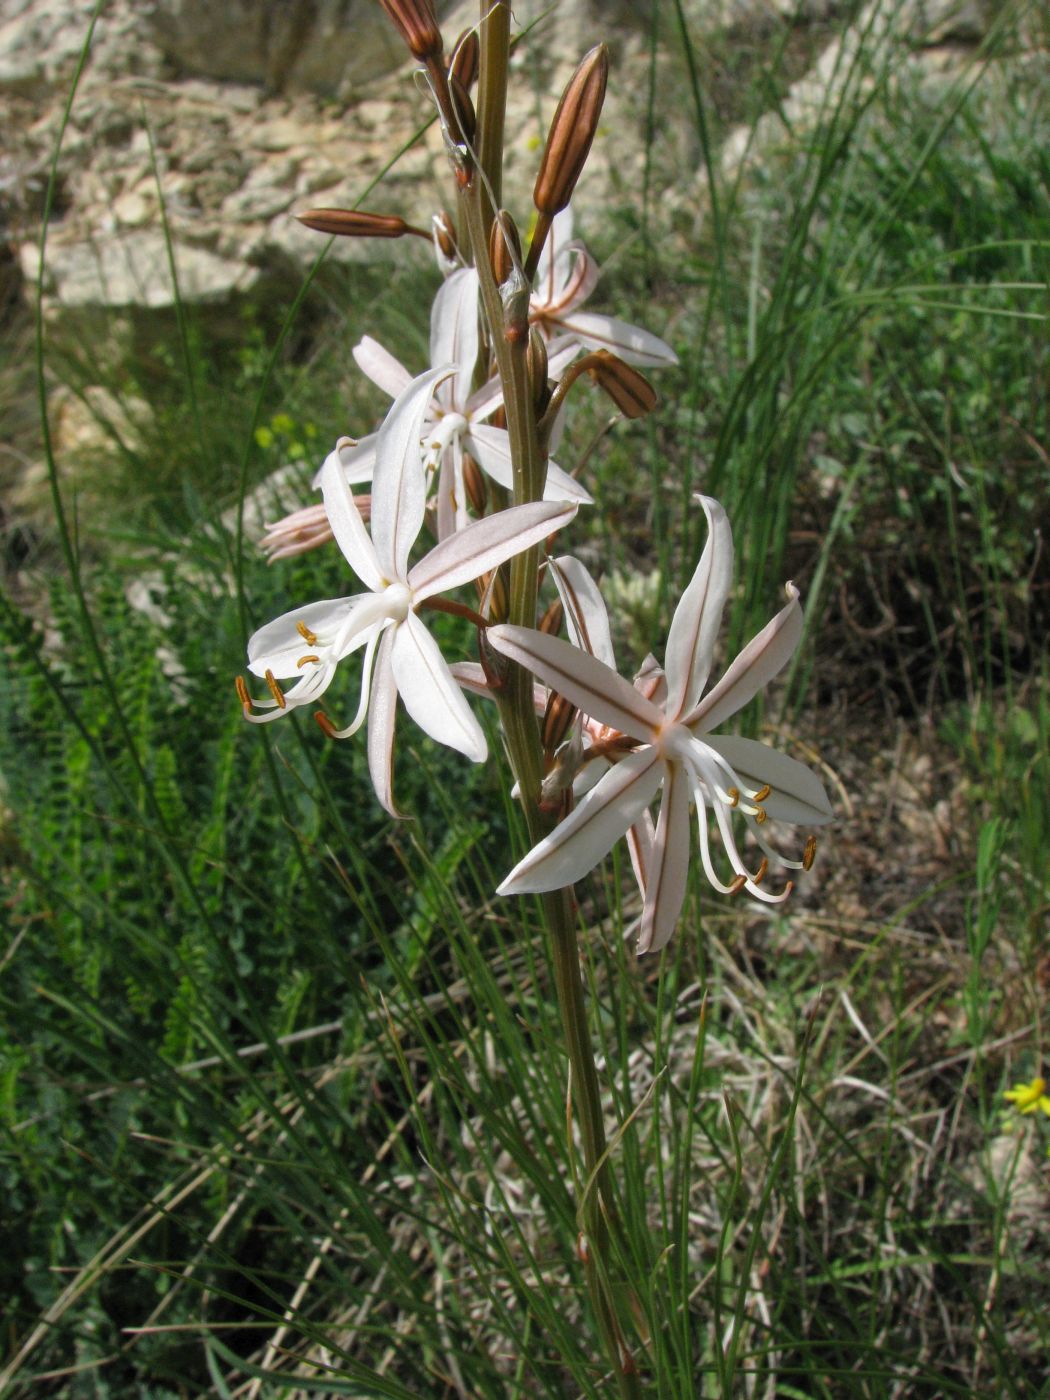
(629,390)
(504,247)
(571,133)
(464,65)
(557,721)
(417,25)
(552,619)
(466,118)
(536,366)
(444,231)
(474,485)
(354,223)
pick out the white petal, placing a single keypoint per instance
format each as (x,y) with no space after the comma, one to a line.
(763,657)
(430,693)
(631,343)
(382,368)
(668,871)
(382,713)
(279,646)
(484,544)
(596,689)
(698,616)
(399,488)
(585,613)
(454,329)
(587,834)
(357,460)
(490,447)
(798,794)
(347,525)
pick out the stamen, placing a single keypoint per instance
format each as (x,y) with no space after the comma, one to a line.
(309,637)
(762,793)
(737,884)
(760,873)
(732,796)
(761,815)
(316,660)
(325,725)
(242,694)
(275,690)
(809,854)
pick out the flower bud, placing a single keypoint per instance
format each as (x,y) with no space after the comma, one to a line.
(557,719)
(466,118)
(504,247)
(354,223)
(464,65)
(571,133)
(536,367)
(474,485)
(444,232)
(553,618)
(629,390)
(417,25)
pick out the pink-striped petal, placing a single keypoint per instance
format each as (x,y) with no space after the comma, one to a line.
(586,616)
(347,525)
(399,488)
(454,330)
(631,343)
(668,870)
(430,694)
(763,657)
(797,793)
(490,448)
(471,552)
(588,833)
(594,688)
(382,714)
(698,616)
(358,460)
(382,368)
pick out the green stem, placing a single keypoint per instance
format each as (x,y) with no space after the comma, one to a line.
(494,36)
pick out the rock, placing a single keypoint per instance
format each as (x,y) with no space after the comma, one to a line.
(132,270)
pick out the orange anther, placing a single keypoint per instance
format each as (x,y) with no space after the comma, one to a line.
(760,873)
(242,694)
(761,815)
(810,853)
(737,885)
(325,725)
(733,796)
(275,690)
(316,660)
(763,793)
(309,637)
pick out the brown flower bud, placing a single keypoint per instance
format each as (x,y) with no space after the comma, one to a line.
(557,721)
(629,390)
(445,236)
(464,65)
(354,223)
(466,118)
(417,25)
(536,367)
(474,485)
(504,247)
(552,619)
(571,133)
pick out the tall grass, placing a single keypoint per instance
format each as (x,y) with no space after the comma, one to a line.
(282,1086)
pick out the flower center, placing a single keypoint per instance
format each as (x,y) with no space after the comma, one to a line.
(397,598)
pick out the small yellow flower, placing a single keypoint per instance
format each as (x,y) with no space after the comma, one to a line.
(1030,1098)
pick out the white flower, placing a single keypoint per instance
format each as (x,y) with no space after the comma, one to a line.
(566,275)
(454,420)
(400,655)
(674,751)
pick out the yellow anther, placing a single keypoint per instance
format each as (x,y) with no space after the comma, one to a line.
(763,793)
(733,796)
(737,885)
(316,660)
(309,637)
(810,853)
(761,815)
(325,725)
(760,873)
(242,694)
(275,690)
